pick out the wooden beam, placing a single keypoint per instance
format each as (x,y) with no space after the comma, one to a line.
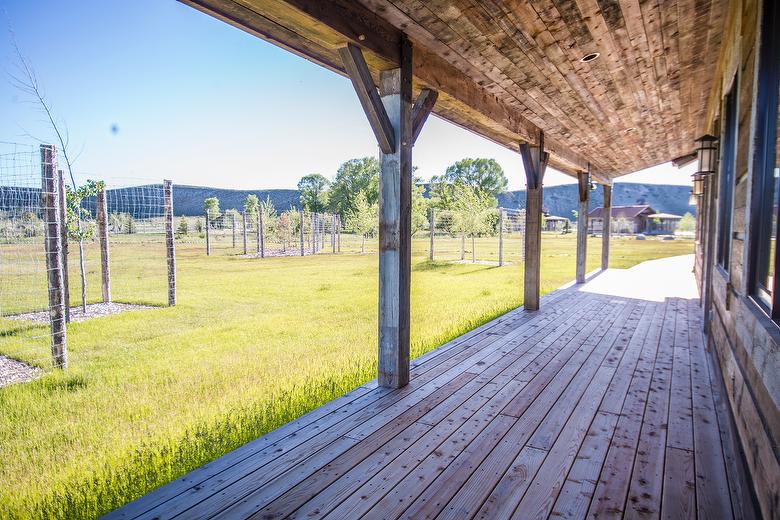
(535,163)
(607,228)
(395,214)
(422,108)
(684,160)
(583,189)
(358,73)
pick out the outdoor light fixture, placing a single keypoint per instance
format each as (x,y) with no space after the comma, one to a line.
(590,57)
(707,154)
(693,200)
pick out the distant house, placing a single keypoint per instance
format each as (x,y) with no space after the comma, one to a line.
(625,219)
(663,223)
(554,223)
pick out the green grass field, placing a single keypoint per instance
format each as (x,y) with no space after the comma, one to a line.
(252,344)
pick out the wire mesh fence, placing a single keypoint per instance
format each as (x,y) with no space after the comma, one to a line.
(23,272)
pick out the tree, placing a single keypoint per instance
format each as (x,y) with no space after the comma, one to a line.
(74,214)
(474,212)
(419,208)
(266,208)
(484,175)
(183,228)
(211,207)
(363,218)
(687,223)
(352,178)
(314,192)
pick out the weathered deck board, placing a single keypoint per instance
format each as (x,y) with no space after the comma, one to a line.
(593,406)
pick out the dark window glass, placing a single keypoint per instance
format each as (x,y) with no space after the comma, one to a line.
(767,166)
(726,174)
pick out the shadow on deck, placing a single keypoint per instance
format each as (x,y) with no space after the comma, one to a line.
(606,403)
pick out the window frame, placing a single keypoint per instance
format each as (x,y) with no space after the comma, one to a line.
(765,160)
(727,177)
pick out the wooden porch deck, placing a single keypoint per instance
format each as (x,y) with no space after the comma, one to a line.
(597,405)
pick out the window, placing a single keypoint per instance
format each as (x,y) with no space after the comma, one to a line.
(726,176)
(767,163)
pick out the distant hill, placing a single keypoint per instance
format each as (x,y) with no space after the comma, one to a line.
(188,200)
(562,200)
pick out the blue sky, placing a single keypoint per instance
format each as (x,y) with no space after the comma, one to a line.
(200,102)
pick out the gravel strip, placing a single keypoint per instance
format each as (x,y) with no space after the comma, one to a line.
(13,371)
(94,310)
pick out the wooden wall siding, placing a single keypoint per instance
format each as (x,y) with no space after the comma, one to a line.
(509,68)
(746,342)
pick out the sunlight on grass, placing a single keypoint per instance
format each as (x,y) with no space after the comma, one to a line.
(252,344)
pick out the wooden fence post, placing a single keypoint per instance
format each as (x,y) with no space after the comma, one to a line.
(243,214)
(338,230)
(53,247)
(500,236)
(170,250)
(261,233)
(208,243)
(303,252)
(462,245)
(432,228)
(234,229)
(333,233)
(102,226)
(322,232)
(63,212)
(257,230)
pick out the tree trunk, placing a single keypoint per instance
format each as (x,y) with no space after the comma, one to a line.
(363,245)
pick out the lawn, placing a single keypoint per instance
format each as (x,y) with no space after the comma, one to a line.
(251,345)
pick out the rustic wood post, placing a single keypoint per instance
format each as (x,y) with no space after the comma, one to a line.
(322,231)
(535,163)
(170,248)
(53,247)
(234,229)
(261,233)
(500,236)
(208,243)
(63,213)
(102,227)
(243,215)
(583,189)
(338,230)
(462,245)
(312,238)
(303,247)
(432,228)
(395,123)
(606,230)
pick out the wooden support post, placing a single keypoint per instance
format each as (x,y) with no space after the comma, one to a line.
(208,243)
(243,215)
(102,227)
(391,121)
(261,233)
(64,240)
(170,248)
(302,233)
(500,237)
(432,228)
(535,163)
(607,229)
(234,229)
(53,247)
(583,189)
(333,233)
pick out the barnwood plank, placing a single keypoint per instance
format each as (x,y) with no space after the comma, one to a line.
(421,109)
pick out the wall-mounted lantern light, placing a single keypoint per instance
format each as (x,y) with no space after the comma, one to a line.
(707,153)
(693,200)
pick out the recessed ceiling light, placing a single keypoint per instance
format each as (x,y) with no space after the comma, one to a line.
(590,57)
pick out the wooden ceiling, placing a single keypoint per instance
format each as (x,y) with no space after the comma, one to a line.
(510,69)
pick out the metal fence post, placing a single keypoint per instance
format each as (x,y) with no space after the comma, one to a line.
(64,240)
(170,250)
(53,247)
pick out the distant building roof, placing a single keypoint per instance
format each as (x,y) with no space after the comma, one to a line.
(667,216)
(623,211)
(553,217)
